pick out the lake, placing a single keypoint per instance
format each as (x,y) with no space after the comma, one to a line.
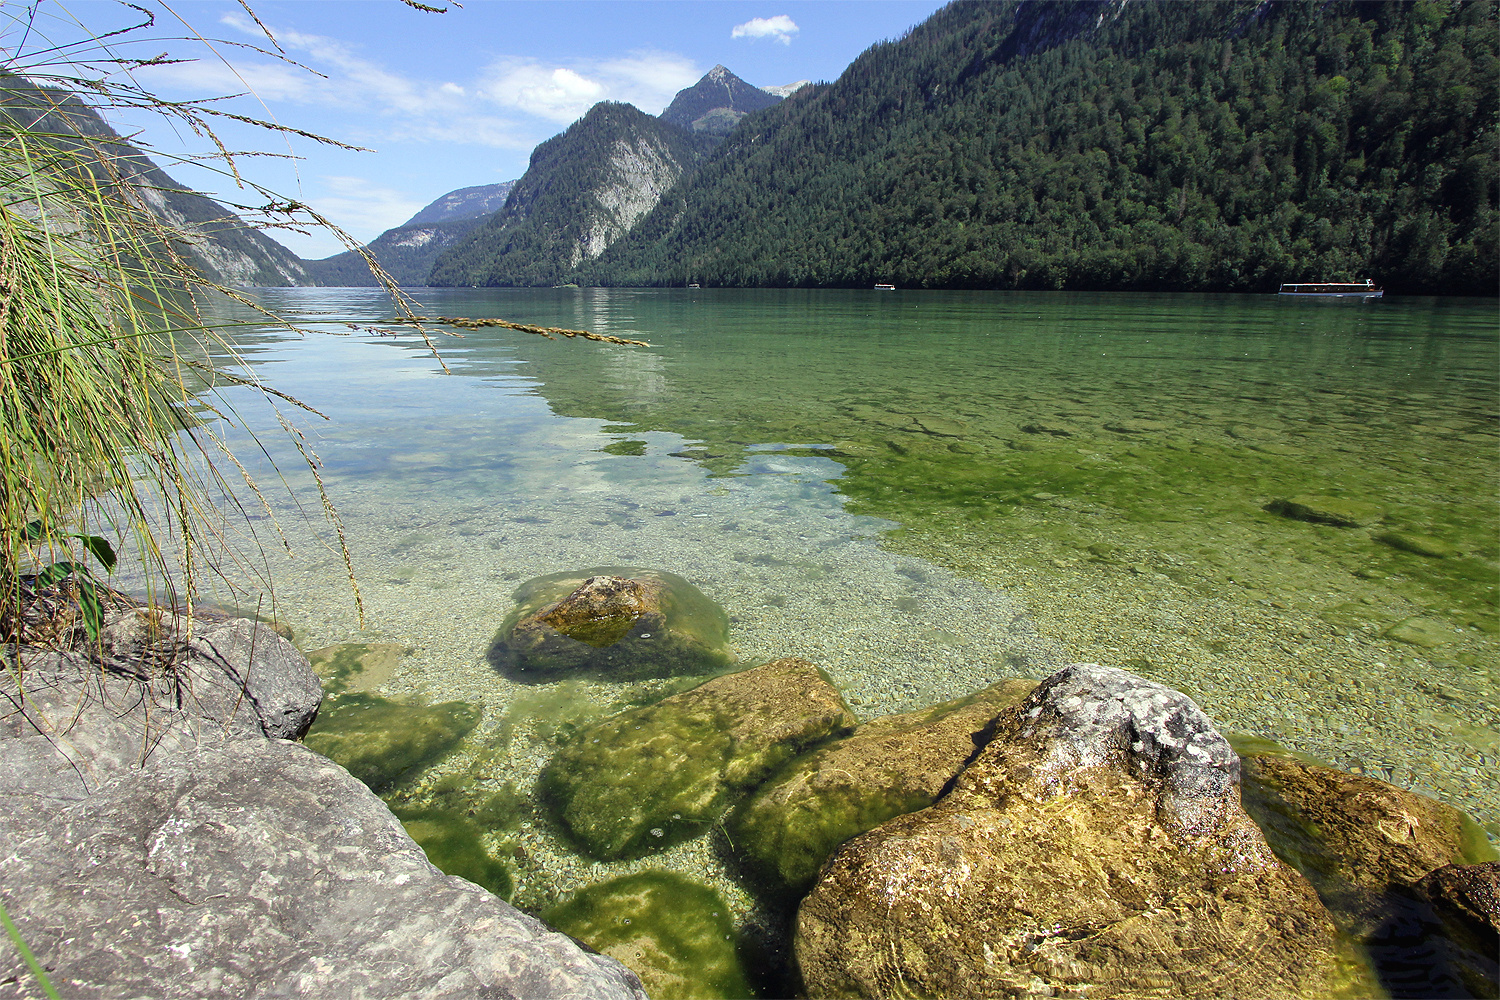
(922,492)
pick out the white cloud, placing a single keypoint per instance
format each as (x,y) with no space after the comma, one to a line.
(361,207)
(649,80)
(779,28)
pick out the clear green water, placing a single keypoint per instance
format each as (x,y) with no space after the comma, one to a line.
(882,481)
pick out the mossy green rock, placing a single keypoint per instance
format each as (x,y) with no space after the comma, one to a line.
(1419,631)
(453,846)
(615,622)
(674,933)
(356,666)
(654,776)
(1421,545)
(1326,510)
(887,767)
(380,741)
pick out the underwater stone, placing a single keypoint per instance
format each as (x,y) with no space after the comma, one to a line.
(677,765)
(1137,426)
(356,666)
(1419,631)
(676,934)
(887,767)
(1096,846)
(1326,510)
(619,623)
(452,844)
(1368,848)
(1422,545)
(380,741)
(1465,902)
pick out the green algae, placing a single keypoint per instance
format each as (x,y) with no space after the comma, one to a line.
(625,448)
(452,843)
(676,934)
(382,742)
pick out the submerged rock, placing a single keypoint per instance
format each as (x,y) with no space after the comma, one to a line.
(356,666)
(654,776)
(676,934)
(381,742)
(1419,631)
(1095,845)
(1336,511)
(887,767)
(452,843)
(1422,545)
(618,623)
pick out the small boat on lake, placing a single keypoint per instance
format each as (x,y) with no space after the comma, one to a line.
(885,288)
(1334,289)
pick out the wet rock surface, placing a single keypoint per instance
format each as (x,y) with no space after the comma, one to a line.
(381,741)
(620,624)
(673,932)
(654,776)
(888,766)
(1097,844)
(148,848)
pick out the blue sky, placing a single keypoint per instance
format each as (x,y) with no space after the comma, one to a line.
(456,99)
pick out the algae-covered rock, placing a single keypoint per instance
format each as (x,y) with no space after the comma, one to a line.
(380,741)
(453,846)
(1350,834)
(1095,847)
(674,933)
(1336,511)
(657,775)
(620,623)
(1419,631)
(1422,545)
(356,666)
(887,767)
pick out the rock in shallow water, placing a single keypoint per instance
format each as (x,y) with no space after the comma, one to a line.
(1336,511)
(655,776)
(676,934)
(618,623)
(1096,845)
(887,767)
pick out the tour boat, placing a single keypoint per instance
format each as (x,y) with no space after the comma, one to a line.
(1334,289)
(885,288)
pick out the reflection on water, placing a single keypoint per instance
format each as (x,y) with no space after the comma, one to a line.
(868,479)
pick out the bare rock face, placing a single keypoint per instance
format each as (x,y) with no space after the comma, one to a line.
(155,842)
(1095,847)
(622,625)
(654,776)
(888,766)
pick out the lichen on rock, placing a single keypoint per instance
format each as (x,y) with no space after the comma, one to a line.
(1095,845)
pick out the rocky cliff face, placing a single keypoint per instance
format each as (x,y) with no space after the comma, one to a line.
(220,245)
(584,190)
(465,203)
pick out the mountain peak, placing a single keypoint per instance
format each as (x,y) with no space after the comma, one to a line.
(715,104)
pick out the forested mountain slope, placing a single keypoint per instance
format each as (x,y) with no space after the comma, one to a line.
(1185,145)
(222,247)
(583,190)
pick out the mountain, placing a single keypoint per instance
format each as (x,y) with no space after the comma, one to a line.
(223,248)
(1110,145)
(583,190)
(465,203)
(786,89)
(715,104)
(408,251)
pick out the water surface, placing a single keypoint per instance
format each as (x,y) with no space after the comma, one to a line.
(926,491)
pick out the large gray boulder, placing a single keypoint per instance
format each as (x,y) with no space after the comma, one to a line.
(1095,847)
(149,848)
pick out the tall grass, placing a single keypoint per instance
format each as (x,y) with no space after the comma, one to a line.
(103,350)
